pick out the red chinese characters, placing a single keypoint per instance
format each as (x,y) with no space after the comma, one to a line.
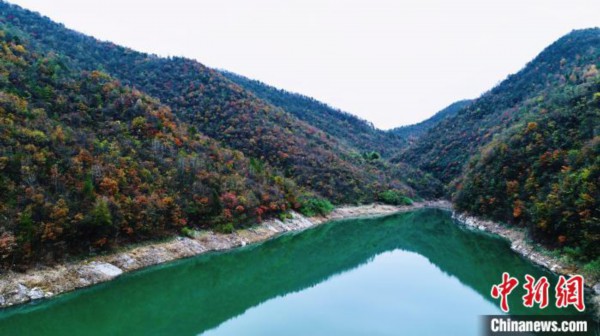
(536,291)
(570,292)
(504,289)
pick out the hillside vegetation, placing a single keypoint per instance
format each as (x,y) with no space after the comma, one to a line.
(347,128)
(448,146)
(86,163)
(413,132)
(218,108)
(526,152)
(102,146)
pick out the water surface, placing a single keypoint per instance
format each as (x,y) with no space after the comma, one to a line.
(405,274)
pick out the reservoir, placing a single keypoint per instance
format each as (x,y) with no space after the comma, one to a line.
(414,273)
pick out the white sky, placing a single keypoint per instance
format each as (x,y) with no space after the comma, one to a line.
(390,62)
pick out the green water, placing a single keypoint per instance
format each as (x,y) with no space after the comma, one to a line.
(415,273)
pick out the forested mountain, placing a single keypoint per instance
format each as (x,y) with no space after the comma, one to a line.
(445,148)
(544,173)
(86,163)
(101,145)
(348,128)
(218,108)
(527,151)
(413,132)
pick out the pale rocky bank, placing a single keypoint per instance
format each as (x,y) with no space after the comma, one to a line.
(47,281)
(533,252)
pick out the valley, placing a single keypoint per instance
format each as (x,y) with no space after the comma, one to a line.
(108,155)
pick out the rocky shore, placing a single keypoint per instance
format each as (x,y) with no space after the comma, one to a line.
(45,281)
(533,252)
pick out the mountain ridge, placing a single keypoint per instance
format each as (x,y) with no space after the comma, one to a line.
(103,146)
(220,109)
(357,132)
(414,131)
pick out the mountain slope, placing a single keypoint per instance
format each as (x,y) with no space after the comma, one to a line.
(218,108)
(526,152)
(444,149)
(544,173)
(353,131)
(101,146)
(87,164)
(413,132)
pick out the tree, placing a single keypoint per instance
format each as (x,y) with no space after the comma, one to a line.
(100,215)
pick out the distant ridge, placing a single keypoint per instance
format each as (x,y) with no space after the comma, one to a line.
(413,132)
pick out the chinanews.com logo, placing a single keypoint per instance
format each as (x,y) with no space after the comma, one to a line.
(568,292)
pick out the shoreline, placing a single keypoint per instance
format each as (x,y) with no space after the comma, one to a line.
(535,253)
(44,282)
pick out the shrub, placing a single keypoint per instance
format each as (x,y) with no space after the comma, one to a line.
(394,197)
(285,215)
(313,206)
(100,215)
(186,231)
(593,268)
(572,253)
(371,156)
(226,228)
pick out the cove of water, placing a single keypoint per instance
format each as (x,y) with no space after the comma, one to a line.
(416,273)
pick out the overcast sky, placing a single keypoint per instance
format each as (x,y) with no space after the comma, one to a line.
(390,62)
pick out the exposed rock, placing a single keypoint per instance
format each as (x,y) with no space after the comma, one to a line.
(36,293)
(21,290)
(125,261)
(595,302)
(99,271)
(597,288)
(15,293)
